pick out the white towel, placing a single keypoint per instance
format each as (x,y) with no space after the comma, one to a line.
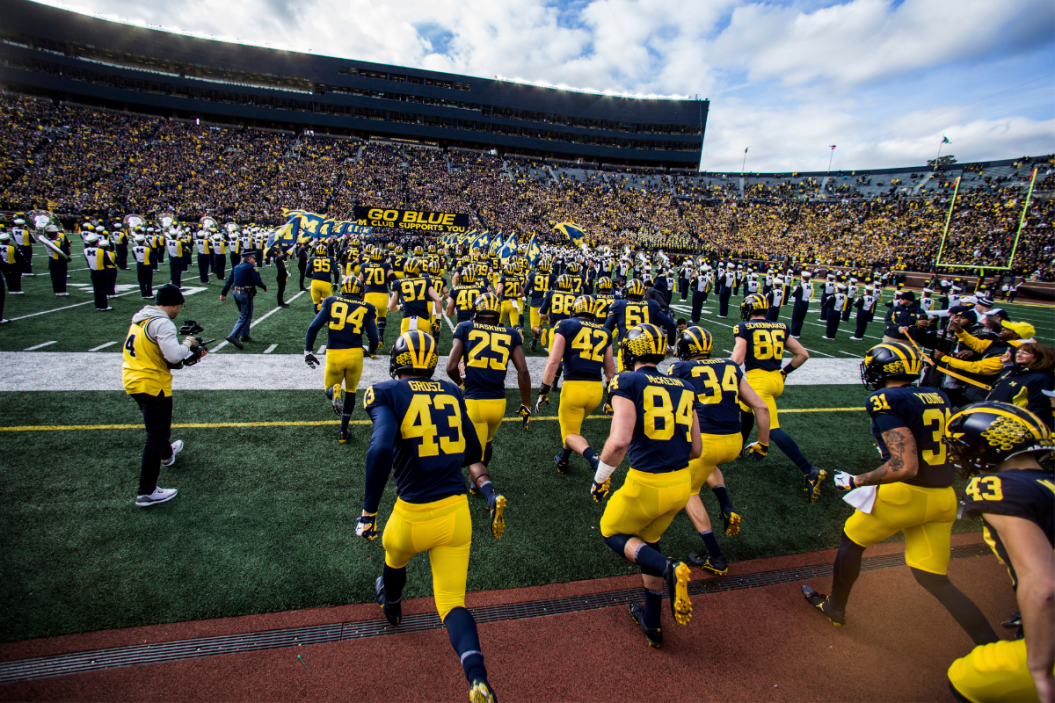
(863,498)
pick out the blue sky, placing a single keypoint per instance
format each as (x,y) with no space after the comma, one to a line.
(883,80)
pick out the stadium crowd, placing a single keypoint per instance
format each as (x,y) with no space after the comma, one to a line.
(81,161)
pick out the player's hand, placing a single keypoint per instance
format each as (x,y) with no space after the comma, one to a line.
(525,414)
(543,397)
(844,482)
(366,526)
(756,451)
(223,298)
(783,375)
(311,360)
(599,491)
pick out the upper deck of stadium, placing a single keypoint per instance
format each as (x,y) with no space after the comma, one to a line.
(78,57)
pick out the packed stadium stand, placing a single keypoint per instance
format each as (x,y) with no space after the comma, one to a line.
(84,147)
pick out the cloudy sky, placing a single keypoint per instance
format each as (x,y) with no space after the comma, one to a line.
(883,80)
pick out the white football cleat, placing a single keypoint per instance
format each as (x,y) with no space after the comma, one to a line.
(160,495)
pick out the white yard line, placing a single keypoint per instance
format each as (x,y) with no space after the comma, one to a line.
(40,346)
(270,349)
(849,354)
(67,307)
(814,351)
(103,346)
(254,323)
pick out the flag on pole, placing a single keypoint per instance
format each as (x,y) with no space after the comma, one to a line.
(508,249)
(571,230)
(746,148)
(496,243)
(481,242)
(945,140)
(534,250)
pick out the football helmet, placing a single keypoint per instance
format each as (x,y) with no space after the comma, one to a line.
(564,282)
(414,353)
(412,268)
(585,306)
(894,360)
(468,275)
(419,251)
(320,250)
(487,305)
(753,304)
(574,268)
(377,254)
(643,343)
(635,289)
(983,435)
(432,248)
(399,250)
(352,286)
(604,285)
(435,267)
(695,341)
(544,266)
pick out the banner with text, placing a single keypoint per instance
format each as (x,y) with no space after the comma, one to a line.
(420,220)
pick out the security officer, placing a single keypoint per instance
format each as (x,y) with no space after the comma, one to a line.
(151,349)
(143,254)
(97,258)
(244,280)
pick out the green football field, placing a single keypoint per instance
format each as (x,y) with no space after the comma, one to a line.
(265,517)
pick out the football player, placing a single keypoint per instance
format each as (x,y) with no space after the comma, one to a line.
(439,284)
(419,429)
(632,311)
(416,293)
(605,297)
(654,421)
(375,276)
(511,290)
(720,386)
(557,304)
(465,294)
(488,348)
(346,318)
(760,348)
(914,495)
(1013,494)
(538,284)
(585,348)
(322,269)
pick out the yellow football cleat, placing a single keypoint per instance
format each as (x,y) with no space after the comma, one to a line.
(677,577)
(498,520)
(338,399)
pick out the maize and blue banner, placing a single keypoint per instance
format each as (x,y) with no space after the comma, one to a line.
(572,230)
(421,220)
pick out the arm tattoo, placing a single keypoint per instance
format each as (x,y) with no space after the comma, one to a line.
(890,470)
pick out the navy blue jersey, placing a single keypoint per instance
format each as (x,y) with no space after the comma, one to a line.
(717,386)
(924,412)
(323,268)
(346,321)
(585,343)
(625,315)
(537,285)
(512,287)
(604,305)
(375,277)
(414,294)
(662,438)
(765,343)
(487,349)
(576,284)
(422,429)
(557,305)
(1024,493)
(464,297)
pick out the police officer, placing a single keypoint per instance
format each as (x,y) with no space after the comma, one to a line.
(151,350)
(244,280)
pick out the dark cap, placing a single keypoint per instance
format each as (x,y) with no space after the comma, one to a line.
(964,311)
(907,295)
(169,294)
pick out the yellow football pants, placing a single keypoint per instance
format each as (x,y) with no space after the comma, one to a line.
(536,318)
(320,291)
(443,529)
(486,416)
(511,312)
(343,365)
(421,323)
(717,449)
(769,385)
(577,400)
(645,504)
(925,515)
(380,303)
(994,672)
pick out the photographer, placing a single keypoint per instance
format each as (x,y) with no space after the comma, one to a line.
(151,349)
(244,280)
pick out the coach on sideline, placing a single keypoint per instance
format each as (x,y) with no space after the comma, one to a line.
(151,350)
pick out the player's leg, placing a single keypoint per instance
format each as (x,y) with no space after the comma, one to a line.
(333,379)
(577,400)
(380,303)
(398,541)
(730,516)
(316,294)
(536,326)
(717,449)
(993,672)
(770,385)
(927,551)
(352,371)
(477,412)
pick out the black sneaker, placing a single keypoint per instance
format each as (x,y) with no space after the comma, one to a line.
(654,636)
(562,465)
(824,604)
(716,565)
(393,611)
(234,342)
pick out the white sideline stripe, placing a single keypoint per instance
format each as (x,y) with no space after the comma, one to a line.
(814,351)
(448,321)
(102,346)
(67,307)
(254,323)
(270,349)
(101,371)
(40,346)
(848,353)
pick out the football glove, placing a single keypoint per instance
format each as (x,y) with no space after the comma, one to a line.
(311,360)
(844,482)
(525,414)
(756,451)
(366,526)
(543,397)
(599,491)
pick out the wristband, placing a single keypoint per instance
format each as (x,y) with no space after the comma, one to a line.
(544,389)
(604,472)
(788,369)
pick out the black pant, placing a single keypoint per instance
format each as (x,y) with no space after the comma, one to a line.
(122,256)
(281,281)
(13,274)
(27,258)
(219,265)
(798,316)
(683,286)
(773,313)
(145,274)
(204,262)
(723,301)
(157,418)
(302,264)
(863,318)
(846,315)
(3,298)
(57,268)
(100,284)
(176,269)
(236,259)
(111,281)
(831,325)
(824,307)
(697,304)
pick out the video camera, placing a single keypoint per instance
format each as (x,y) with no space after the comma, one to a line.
(194,329)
